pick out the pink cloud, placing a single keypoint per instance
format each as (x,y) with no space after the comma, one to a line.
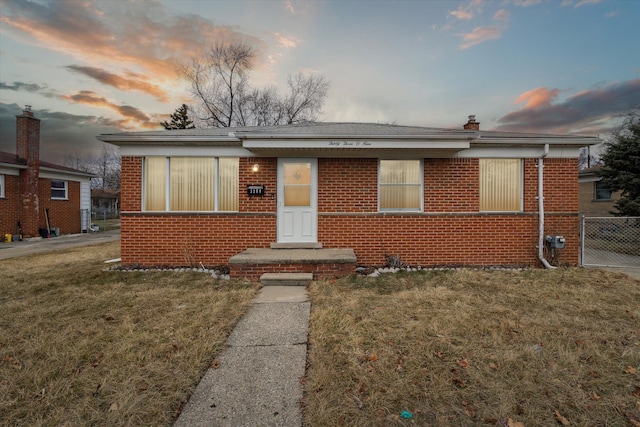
(469,11)
(502,15)
(133,81)
(537,97)
(590,111)
(141,38)
(128,113)
(479,35)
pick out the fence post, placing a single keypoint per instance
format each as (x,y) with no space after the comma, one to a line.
(582,242)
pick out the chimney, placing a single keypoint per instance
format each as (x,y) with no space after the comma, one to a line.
(472,124)
(28,149)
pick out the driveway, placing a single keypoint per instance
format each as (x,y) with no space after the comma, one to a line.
(39,245)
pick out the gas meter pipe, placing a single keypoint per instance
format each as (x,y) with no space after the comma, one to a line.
(541,209)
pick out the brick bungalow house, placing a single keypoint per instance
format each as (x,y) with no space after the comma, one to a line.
(31,188)
(595,199)
(376,192)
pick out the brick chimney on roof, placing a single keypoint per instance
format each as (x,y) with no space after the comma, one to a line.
(472,124)
(28,149)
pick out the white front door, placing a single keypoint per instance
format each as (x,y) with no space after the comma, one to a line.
(297,200)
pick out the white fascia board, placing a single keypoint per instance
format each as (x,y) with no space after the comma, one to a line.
(518,152)
(590,178)
(11,169)
(175,151)
(357,144)
(125,140)
(581,141)
(66,176)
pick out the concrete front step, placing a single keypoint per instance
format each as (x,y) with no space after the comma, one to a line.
(286,279)
(321,263)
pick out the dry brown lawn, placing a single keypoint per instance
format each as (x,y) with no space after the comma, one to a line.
(475,348)
(81,346)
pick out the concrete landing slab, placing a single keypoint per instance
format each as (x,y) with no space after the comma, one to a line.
(294,256)
(281,294)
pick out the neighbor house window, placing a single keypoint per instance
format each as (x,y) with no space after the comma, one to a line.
(59,190)
(500,185)
(601,192)
(1,186)
(191,184)
(400,185)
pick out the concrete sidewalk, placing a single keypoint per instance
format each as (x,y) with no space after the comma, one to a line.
(258,379)
(66,241)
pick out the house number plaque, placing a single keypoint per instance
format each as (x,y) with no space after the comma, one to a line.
(255,190)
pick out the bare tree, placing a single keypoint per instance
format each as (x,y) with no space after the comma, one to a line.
(306,97)
(219,83)
(106,167)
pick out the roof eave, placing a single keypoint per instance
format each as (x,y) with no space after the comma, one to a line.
(458,136)
(538,140)
(124,139)
(68,172)
(12,165)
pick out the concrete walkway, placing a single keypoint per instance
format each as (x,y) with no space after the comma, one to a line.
(258,379)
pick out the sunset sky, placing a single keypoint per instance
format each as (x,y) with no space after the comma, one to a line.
(91,67)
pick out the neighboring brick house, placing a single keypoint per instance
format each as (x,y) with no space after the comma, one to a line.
(595,199)
(425,196)
(30,188)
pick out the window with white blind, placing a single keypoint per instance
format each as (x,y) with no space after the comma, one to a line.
(190,184)
(400,185)
(500,185)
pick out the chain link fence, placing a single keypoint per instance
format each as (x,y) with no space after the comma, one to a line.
(610,241)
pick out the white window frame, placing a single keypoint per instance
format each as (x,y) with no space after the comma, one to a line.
(2,191)
(168,186)
(65,189)
(408,210)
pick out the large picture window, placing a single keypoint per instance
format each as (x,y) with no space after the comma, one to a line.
(500,185)
(59,190)
(190,184)
(400,185)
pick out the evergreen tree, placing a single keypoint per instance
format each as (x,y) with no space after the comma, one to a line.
(621,170)
(179,119)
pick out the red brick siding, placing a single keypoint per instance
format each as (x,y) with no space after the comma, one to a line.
(451,185)
(458,239)
(266,175)
(175,239)
(347,185)
(327,270)
(451,231)
(10,206)
(64,214)
(131,184)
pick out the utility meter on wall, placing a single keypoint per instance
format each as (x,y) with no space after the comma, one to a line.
(556,242)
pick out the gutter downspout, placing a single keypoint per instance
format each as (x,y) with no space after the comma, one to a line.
(541,209)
